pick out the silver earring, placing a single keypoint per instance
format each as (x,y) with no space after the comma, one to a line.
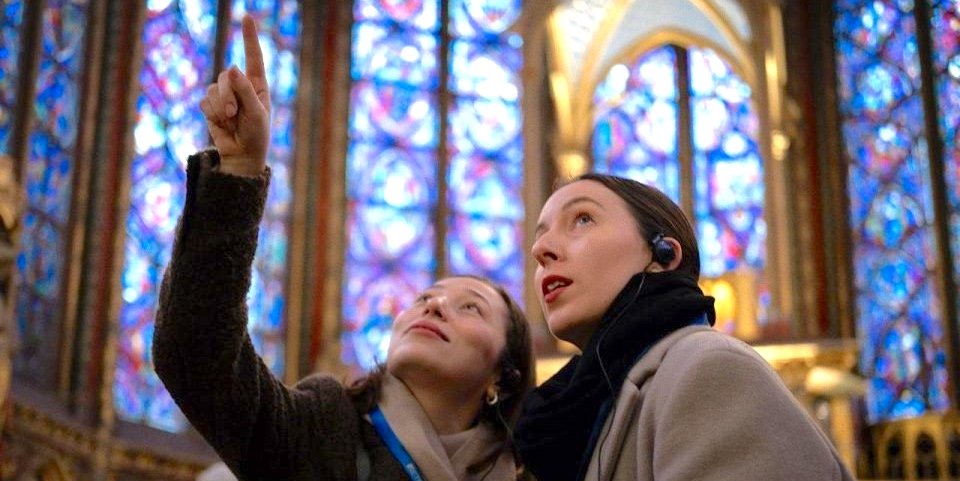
(491,400)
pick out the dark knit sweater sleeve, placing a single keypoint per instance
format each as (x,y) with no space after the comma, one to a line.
(204,356)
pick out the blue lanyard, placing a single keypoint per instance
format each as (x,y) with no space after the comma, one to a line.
(394,445)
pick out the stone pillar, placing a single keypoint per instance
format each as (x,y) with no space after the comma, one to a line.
(10,207)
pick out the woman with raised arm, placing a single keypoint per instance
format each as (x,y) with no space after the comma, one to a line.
(657,394)
(440,409)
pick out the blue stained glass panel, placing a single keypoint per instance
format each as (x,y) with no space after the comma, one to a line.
(279,26)
(891,213)
(636,120)
(484,232)
(394,177)
(406,15)
(391,170)
(484,143)
(486,124)
(489,71)
(381,54)
(392,159)
(11,18)
(178,41)
(728,171)
(393,114)
(48,176)
(485,18)
(637,133)
(945,25)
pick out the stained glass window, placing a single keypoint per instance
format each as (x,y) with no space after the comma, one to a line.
(637,121)
(393,158)
(891,214)
(11,18)
(177,66)
(635,126)
(179,41)
(391,169)
(48,177)
(728,172)
(278,23)
(485,148)
(945,33)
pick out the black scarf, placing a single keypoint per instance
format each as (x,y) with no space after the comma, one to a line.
(553,433)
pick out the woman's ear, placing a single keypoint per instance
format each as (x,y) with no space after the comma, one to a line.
(678,258)
(674,262)
(492,395)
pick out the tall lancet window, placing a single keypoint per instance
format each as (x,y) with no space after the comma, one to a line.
(895,167)
(279,23)
(681,119)
(179,40)
(48,175)
(434,165)
(945,33)
(11,19)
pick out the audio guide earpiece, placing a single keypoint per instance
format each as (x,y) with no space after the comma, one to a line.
(663,252)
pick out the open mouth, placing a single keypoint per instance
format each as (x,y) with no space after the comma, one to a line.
(551,286)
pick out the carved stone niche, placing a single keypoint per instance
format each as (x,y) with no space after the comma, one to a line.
(29,459)
(925,447)
(36,444)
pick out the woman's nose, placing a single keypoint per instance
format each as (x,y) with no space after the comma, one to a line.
(543,249)
(436,305)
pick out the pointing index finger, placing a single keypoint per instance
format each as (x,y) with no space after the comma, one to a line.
(251,49)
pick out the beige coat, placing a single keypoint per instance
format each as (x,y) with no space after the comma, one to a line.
(701,405)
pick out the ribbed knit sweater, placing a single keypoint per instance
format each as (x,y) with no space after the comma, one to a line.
(262,429)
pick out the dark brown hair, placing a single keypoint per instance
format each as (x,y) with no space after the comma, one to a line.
(517,373)
(655,214)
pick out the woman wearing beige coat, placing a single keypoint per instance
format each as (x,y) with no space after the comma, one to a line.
(657,394)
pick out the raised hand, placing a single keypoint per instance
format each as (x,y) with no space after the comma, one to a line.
(237,110)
